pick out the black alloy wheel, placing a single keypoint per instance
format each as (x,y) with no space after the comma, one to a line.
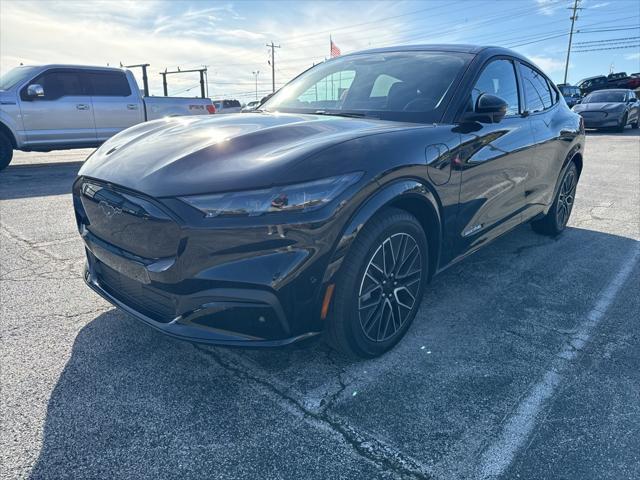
(555,221)
(380,285)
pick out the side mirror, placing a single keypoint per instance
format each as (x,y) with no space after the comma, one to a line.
(488,109)
(631,100)
(35,90)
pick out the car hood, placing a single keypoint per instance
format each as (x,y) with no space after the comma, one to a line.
(191,155)
(584,107)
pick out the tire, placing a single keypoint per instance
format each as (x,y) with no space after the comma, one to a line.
(623,124)
(380,286)
(634,125)
(555,221)
(6,151)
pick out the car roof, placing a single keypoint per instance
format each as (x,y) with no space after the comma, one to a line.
(484,50)
(82,67)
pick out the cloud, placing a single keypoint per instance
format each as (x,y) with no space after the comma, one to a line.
(547,64)
(547,7)
(633,56)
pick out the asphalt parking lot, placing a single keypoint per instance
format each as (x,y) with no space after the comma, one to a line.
(523,363)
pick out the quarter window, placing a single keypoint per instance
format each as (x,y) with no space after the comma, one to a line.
(499,78)
(536,90)
(109,84)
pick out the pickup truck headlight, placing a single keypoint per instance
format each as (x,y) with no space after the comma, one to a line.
(299,197)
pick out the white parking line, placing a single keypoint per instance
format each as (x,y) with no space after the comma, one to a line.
(499,455)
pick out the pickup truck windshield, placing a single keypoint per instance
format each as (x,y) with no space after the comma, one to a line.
(15,76)
(401,86)
(604,97)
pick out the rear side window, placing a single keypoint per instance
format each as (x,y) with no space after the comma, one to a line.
(109,84)
(499,78)
(536,90)
(60,84)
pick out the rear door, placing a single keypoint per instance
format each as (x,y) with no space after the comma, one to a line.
(493,159)
(548,124)
(63,116)
(115,105)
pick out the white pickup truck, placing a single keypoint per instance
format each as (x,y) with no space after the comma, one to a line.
(58,107)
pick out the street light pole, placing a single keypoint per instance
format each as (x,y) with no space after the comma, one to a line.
(256,73)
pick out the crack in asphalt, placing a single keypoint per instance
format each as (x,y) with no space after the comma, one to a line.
(370,449)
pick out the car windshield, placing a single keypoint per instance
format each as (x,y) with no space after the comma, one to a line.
(402,86)
(15,76)
(604,97)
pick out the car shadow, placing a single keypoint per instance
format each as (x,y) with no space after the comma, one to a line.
(37,180)
(133,402)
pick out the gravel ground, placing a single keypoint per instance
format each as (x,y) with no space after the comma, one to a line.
(524,361)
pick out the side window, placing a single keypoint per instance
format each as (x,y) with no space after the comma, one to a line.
(499,78)
(108,84)
(59,84)
(536,90)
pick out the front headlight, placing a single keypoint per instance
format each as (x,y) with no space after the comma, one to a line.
(299,197)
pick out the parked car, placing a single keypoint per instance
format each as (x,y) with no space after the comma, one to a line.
(591,84)
(610,108)
(251,106)
(227,106)
(331,208)
(570,93)
(634,81)
(57,107)
(618,80)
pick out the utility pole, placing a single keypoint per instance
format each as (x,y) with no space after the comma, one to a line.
(273,65)
(256,73)
(574,17)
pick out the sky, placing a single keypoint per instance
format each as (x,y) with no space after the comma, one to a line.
(230,37)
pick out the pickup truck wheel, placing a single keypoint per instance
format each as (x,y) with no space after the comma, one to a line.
(380,286)
(6,151)
(555,221)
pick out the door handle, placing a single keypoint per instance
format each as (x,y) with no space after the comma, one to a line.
(132,106)
(82,106)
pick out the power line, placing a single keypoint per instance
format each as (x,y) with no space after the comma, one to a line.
(608,48)
(610,40)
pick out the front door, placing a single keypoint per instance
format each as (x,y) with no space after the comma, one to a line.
(493,160)
(63,116)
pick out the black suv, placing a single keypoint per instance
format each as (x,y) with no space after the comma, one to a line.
(331,207)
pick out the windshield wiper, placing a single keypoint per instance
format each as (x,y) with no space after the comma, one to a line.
(342,114)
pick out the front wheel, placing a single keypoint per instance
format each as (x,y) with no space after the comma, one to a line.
(6,151)
(555,221)
(380,287)
(623,124)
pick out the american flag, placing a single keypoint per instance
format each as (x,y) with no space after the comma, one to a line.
(335,51)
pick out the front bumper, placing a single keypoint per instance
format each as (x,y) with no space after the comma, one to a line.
(601,119)
(252,285)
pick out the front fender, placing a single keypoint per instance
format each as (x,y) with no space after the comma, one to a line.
(396,192)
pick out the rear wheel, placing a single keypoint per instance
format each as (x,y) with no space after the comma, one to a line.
(6,151)
(381,285)
(634,125)
(555,221)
